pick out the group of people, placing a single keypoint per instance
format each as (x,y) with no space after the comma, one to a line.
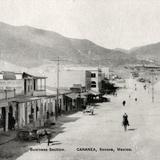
(125,121)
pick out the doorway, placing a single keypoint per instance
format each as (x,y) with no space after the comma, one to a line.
(10,118)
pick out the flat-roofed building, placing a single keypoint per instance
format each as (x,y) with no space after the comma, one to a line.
(11,81)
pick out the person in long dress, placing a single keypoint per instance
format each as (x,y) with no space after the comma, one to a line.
(125,121)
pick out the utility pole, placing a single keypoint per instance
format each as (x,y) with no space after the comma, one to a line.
(57,88)
(152,86)
(57,104)
(57,99)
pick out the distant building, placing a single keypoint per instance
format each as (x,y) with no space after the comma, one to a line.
(88,77)
(105,71)
(34,85)
(96,79)
(23,83)
(68,77)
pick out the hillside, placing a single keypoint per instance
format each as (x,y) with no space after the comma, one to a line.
(149,52)
(30,47)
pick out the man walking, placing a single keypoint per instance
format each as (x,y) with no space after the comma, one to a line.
(125,121)
(124,103)
(48,134)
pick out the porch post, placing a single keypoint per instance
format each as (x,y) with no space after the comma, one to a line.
(35,110)
(40,84)
(26,113)
(45,84)
(6,119)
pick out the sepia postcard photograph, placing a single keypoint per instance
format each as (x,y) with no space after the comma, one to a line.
(79,80)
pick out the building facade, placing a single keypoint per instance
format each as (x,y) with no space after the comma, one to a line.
(29,105)
(88,77)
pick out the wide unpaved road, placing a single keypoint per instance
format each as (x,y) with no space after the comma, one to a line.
(104,130)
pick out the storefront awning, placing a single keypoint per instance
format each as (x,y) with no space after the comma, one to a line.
(4,102)
(73,95)
(84,94)
(95,93)
(26,99)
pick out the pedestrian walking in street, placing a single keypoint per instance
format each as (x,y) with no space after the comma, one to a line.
(124,103)
(48,134)
(135,87)
(136,99)
(38,136)
(125,122)
(92,110)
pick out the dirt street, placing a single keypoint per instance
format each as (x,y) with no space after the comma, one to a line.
(102,137)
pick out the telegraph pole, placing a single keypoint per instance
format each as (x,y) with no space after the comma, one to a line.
(57,99)
(57,104)
(152,86)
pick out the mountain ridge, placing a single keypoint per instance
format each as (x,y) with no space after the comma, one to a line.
(29,47)
(150,52)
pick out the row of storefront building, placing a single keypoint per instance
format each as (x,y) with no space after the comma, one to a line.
(26,100)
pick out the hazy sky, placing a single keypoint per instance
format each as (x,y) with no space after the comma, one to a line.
(110,23)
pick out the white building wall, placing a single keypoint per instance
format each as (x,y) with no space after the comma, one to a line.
(70,77)
(13,84)
(96,80)
(18,76)
(105,70)
(1,76)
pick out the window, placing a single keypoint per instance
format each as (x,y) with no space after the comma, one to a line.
(93,75)
(93,84)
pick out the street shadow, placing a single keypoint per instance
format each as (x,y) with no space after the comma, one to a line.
(93,114)
(95,105)
(55,143)
(69,119)
(51,143)
(132,129)
(58,128)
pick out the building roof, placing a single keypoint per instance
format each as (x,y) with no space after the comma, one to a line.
(4,102)
(53,90)
(22,99)
(29,76)
(25,99)
(84,93)
(96,93)
(77,95)
(73,95)
(2,72)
